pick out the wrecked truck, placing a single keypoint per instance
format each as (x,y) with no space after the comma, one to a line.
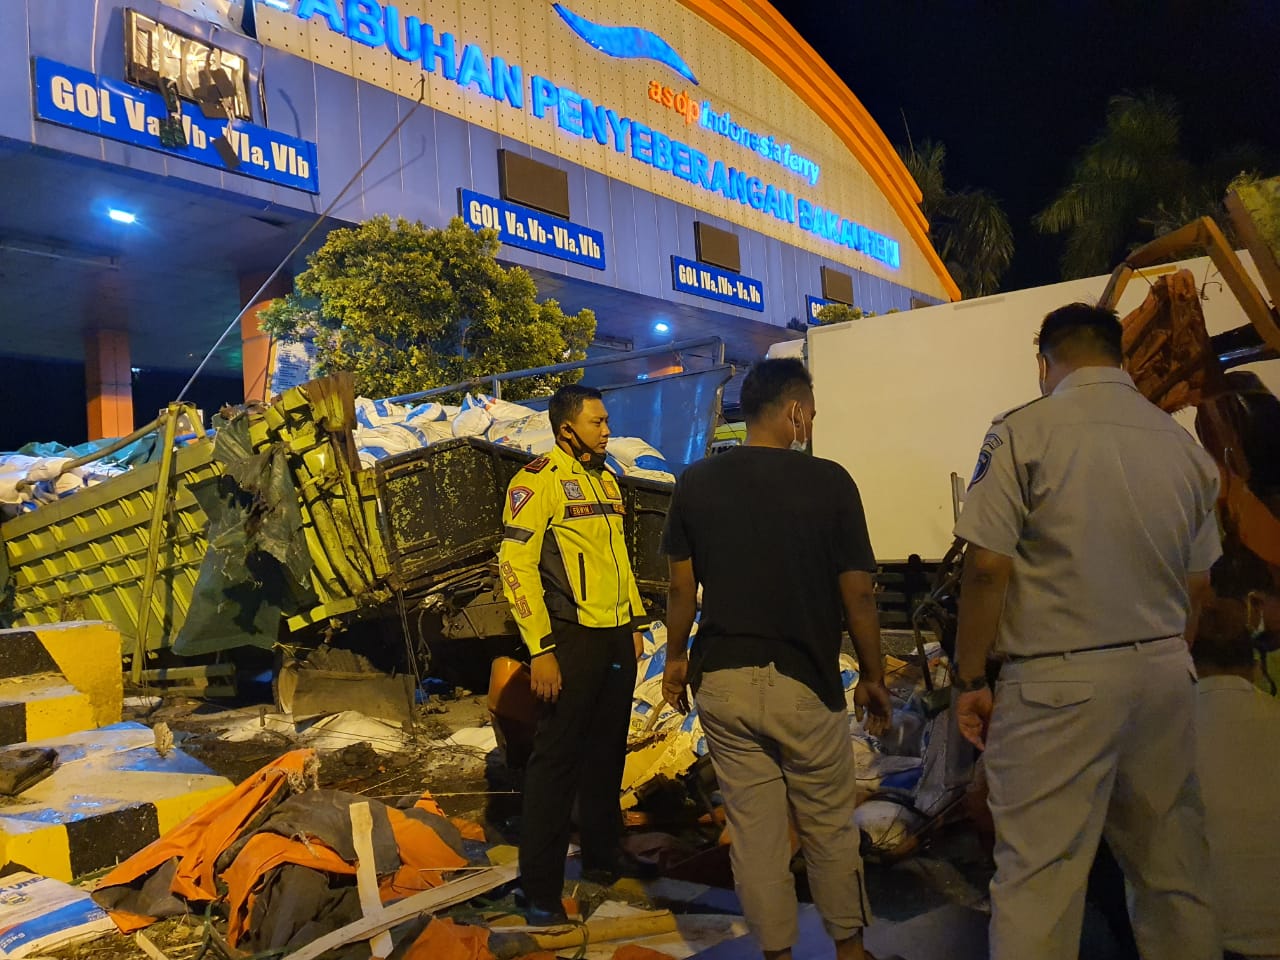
(269,532)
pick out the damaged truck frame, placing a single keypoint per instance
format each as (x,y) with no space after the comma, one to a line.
(268,531)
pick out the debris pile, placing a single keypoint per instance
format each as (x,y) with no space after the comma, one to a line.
(906,782)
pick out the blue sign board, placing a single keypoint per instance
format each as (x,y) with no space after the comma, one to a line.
(120,111)
(702,280)
(533,230)
(815,304)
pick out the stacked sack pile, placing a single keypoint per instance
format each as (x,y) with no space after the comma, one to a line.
(34,475)
(385,429)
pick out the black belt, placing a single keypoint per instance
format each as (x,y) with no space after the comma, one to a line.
(1015,658)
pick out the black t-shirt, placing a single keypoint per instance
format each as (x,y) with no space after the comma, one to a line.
(769,532)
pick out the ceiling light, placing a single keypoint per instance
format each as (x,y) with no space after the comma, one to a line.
(122,216)
(662,327)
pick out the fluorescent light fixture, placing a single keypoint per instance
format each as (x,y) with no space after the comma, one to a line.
(278,4)
(50,252)
(662,327)
(122,216)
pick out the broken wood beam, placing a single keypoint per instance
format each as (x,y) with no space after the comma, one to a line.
(367,875)
(429,901)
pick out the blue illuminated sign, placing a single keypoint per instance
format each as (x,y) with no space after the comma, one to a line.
(533,230)
(767,145)
(119,111)
(815,304)
(374,24)
(701,280)
(626,43)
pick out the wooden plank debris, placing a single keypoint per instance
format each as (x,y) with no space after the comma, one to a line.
(429,901)
(367,875)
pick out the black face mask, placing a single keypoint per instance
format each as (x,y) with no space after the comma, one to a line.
(582,453)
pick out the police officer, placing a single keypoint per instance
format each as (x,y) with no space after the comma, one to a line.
(568,578)
(1091,529)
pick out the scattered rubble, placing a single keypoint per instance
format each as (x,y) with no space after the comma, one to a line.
(352,835)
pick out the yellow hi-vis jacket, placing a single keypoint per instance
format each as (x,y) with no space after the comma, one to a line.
(563,554)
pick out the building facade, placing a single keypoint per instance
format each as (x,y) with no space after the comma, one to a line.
(683,167)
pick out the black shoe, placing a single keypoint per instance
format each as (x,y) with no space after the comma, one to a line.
(542,913)
(625,865)
(546,916)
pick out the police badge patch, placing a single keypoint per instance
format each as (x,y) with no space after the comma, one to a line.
(610,487)
(989,444)
(573,490)
(980,471)
(519,497)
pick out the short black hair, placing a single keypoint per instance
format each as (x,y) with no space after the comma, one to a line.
(566,403)
(769,382)
(1223,638)
(1081,328)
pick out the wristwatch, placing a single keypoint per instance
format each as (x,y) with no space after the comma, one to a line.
(969,686)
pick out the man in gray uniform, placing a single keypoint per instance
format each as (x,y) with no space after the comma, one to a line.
(1091,529)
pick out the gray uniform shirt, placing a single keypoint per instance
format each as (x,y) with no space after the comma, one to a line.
(1105,504)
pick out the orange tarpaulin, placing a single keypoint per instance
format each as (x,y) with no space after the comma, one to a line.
(469,829)
(446,940)
(631,951)
(423,856)
(199,840)
(262,854)
(202,838)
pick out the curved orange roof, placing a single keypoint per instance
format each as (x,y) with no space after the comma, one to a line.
(764,32)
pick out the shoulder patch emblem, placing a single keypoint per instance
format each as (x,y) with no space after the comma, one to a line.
(984,464)
(519,496)
(610,487)
(991,441)
(572,490)
(537,466)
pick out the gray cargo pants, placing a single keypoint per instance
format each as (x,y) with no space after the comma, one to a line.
(777,748)
(1085,744)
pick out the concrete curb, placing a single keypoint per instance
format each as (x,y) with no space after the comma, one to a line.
(85,653)
(111,795)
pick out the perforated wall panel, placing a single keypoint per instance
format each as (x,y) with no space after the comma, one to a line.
(531,34)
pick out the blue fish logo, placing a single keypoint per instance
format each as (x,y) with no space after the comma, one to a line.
(626,43)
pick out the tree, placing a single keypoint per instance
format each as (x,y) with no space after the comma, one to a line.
(838,313)
(407,307)
(1133,183)
(968,228)
(843,313)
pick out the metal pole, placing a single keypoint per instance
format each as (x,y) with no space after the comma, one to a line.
(153,540)
(305,237)
(496,379)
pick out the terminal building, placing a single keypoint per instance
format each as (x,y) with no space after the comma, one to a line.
(685,168)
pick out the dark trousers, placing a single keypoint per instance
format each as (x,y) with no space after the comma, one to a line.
(578,753)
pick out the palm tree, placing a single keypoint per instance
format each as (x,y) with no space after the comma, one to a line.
(1133,184)
(968,228)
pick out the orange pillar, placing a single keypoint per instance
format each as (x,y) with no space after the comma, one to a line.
(108,383)
(255,346)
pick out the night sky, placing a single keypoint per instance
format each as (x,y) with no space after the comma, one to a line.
(1016,89)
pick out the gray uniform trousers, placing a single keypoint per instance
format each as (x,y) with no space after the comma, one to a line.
(777,748)
(1085,744)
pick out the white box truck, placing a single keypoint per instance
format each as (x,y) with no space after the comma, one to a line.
(904,399)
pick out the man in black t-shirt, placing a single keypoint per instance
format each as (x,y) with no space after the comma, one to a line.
(779,543)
